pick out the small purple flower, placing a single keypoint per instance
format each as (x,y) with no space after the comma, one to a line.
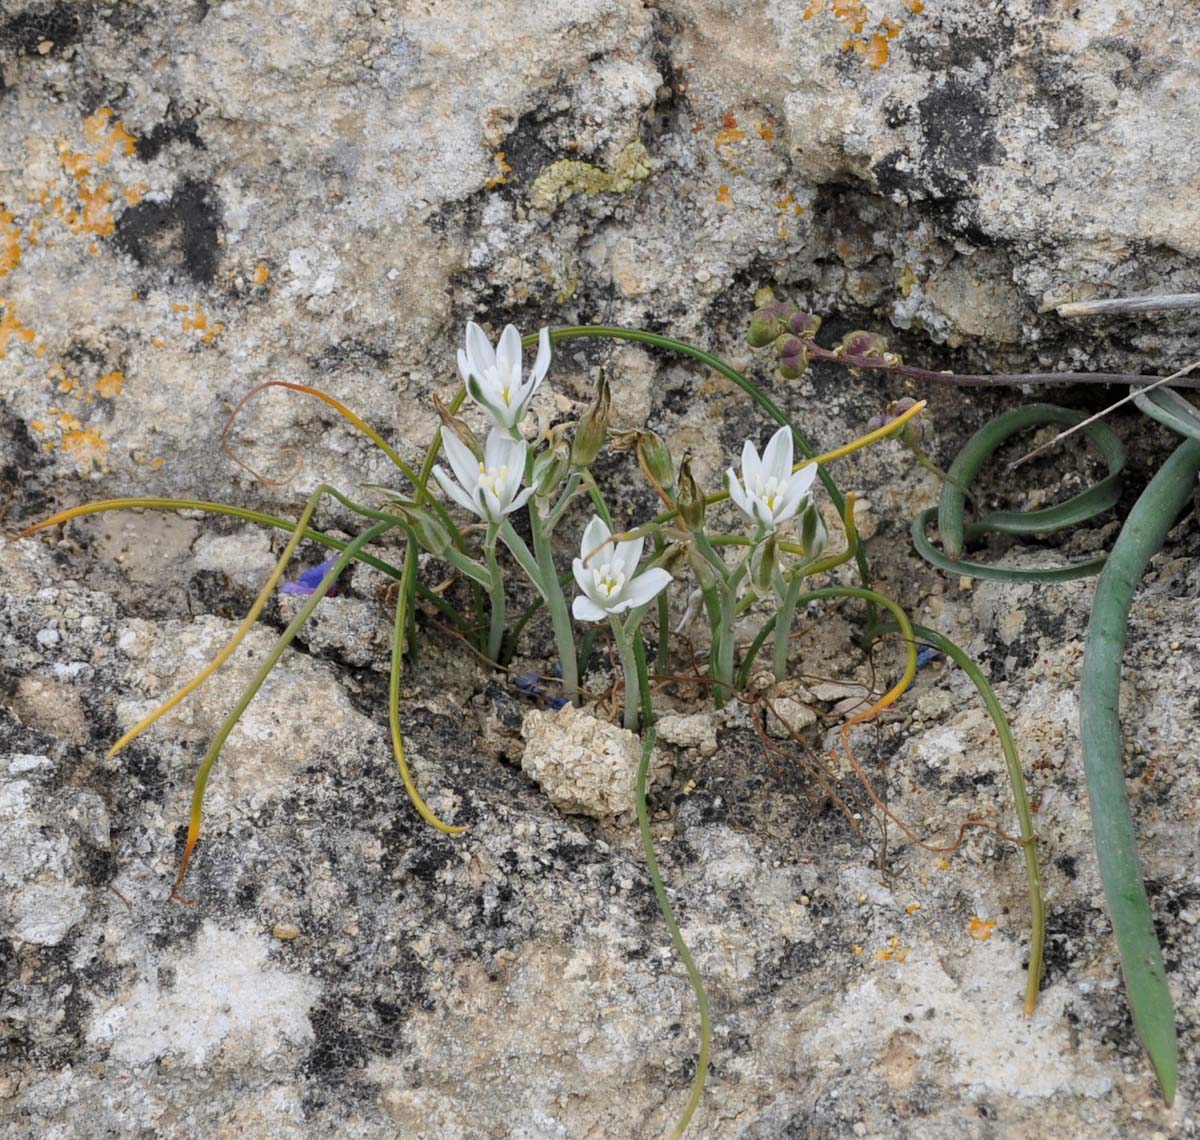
(306,585)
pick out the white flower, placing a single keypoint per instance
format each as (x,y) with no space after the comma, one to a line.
(771,494)
(610,581)
(493,376)
(488,489)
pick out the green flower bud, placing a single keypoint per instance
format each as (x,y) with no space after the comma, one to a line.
(813,535)
(429,533)
(794,361)
(767,323)
(550,470)
(654,458)
(593,427)
(763,563)
(690,498)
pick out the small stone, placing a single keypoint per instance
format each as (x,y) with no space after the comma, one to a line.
(285,931)
(45,47)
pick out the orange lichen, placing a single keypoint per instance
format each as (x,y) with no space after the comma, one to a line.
(214,331)
(85,446)
(916,7)
(110,139)
(730,133)
(858,950)
(158,342)
(852,13)
(876,54)
(95,216)
(110,385)
(10,242)
(981,929)
(133,194)
(195,322)
(503,170)
(814,6)
(765,131)
(893,952)
(943,864)
(891,28)
(723,196)
(261,274)
(75,163)
(11,328)
(912,908)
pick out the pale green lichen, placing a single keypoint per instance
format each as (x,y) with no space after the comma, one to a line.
(560,180)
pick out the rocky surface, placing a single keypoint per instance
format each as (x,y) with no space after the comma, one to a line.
(199,197)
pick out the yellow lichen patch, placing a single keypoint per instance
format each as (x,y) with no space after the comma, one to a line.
(95,217)
(503,170)
(858,950)
(158,342)
(912,908)
(981,929)
(853,13)
(96,130)
(723,196)
(916,7)
(876,53)
(214,331)
(261,274)
(764,131)
(196,322)
(75,163)
(893,952)
(890,28)
(11,328)
(10,242)
(730,132)
(133,194)
(110,385)
(85,446)
(814,6)
(943,864)
(567,177)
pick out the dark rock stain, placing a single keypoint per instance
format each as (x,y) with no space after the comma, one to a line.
(176,237)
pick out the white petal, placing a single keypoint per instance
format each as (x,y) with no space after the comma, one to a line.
(479,349)
(762,513)
(508,355)
(454,491)
(462,460)
(542,363)
(803,479)
(585,609)
(464,366)
(644,587)
(751,468)
(583,576)
(595,538)
(520,500)
(627,556)
(489,505)
(777,455)
(737,494)
(481,394)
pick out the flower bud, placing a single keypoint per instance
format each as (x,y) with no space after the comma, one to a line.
(690,498)
(813,535)
(550,469)
(429,533)
(459,427)
(767,323)
(863,343)
(793,358)
(804,325)
(654,458)
(593,427)
(910,432)
(763,563)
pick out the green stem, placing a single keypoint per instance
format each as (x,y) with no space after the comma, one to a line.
(1141,537)
(495,594)
(662,653)
(556,602)
(660,893)
(629,669)
(783,627)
